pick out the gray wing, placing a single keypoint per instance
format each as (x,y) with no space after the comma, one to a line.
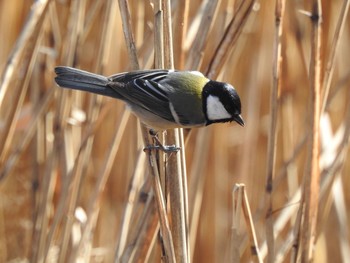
(146,94)
(144,90)
(150,74)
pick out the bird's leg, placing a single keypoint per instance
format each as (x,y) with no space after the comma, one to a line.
(159,146)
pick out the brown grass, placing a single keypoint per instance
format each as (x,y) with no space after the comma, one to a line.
(75,183)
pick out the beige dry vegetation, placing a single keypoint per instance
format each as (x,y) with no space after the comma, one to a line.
(75,183)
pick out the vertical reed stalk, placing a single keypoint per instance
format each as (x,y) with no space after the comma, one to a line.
(272,141)
(334,47)
(312,176)
(176,172)
(159,198)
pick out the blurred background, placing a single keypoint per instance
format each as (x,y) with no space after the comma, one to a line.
(69,159)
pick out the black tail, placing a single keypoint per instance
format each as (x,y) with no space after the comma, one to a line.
(82,80)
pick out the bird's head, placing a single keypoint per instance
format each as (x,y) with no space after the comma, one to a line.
(221,103)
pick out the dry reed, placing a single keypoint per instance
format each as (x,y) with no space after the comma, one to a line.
(75,184)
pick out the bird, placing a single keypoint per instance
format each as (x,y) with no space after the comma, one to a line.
(162,98)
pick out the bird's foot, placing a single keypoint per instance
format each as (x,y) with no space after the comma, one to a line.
(164,148)
(159,146)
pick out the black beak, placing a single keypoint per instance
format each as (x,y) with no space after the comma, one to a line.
(238,118)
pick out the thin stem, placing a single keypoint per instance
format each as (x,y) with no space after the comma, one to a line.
(272,142)
(128,35)
(230,38)
(312,176)
(176,171)
(335,44)
(164,224)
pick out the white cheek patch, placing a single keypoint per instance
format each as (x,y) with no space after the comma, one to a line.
(215,109)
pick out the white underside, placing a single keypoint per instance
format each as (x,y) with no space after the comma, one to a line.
(157,123)
(215,109)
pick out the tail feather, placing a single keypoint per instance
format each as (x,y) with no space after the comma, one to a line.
(77,79)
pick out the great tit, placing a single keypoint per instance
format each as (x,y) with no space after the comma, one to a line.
(162,99)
